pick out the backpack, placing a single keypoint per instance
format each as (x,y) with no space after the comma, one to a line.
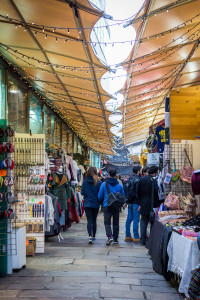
(115,200)
(132,192)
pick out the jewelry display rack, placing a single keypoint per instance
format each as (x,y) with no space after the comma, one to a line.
(30,185)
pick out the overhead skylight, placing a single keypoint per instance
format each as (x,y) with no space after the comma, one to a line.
(115,118)
(114,104)
(112,82)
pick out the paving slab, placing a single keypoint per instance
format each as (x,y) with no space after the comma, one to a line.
(156,283)
(153,289)
(163,296)
(9,293)
(97,262)
(115,286)
(122,299)
(147,264)
(75,273)
(89,268)
(60,293)
(135,275)
(130,270)
(83,279)
(132,281)
(121,294)
(72,286)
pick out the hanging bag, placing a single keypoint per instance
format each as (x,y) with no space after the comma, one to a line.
(186,174)
(172,201)
(115,200)
(176,173)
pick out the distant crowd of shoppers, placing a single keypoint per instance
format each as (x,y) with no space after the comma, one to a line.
(141,197)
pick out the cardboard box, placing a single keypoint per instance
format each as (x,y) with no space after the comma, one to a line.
(30,246)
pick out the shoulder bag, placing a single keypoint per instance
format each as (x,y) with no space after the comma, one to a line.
(115,200)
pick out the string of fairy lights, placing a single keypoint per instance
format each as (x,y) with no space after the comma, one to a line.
(191,37)
(171,52)
(99,69)
(42,29)
(80,133)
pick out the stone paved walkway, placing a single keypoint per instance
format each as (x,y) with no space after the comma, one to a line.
(72,269)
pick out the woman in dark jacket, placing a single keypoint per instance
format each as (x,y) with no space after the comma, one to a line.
(90,189)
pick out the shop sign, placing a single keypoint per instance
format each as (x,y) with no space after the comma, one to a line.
(153,159)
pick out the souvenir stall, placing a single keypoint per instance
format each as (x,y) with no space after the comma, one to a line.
(173,238)
(62,205)
(7,199)
(29,185)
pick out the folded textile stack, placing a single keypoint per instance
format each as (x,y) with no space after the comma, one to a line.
(170,212)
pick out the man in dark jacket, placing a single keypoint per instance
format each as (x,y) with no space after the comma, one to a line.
(133,213)
(109,212)
(148,199)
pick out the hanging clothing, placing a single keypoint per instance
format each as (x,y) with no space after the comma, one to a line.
(80,183)
(71,172)
(160,134)
(49,213)
(61,189)
(55,228)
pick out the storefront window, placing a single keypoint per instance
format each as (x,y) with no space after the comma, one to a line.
(47,127)
(75,145)
(57,133)
(17,105)
(35,114)
(70,143)
(2,94)
(52,128)
(65,138)
(79,147)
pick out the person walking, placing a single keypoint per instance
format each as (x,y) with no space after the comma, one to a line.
(89,190)
(148,199)
(133,213)
(109,212)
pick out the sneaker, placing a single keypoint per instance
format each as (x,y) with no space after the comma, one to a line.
(94,239)
(109,241)
(115,242)
(136,240)
(128,239)
(90,241)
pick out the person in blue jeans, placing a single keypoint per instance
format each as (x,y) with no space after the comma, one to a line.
(133,207)
(112,232)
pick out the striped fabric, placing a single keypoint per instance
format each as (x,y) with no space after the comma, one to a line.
(194,287)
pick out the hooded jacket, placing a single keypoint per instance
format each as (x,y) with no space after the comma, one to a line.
(114,186)
(90,192)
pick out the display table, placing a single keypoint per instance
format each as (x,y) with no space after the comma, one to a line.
(184,256)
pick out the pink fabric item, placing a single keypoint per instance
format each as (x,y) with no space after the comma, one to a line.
(189,233)
(69,163)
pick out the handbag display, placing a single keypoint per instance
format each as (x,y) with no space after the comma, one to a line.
(115,200)
(186,173)
(172,201)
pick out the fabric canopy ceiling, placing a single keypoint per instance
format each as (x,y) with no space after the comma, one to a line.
(48,42)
